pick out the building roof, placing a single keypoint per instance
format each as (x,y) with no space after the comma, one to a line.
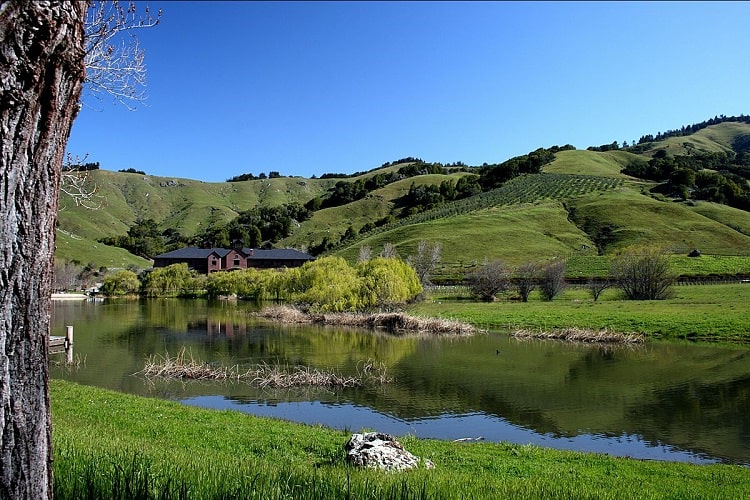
(276,254)
(251,253)
(193,253)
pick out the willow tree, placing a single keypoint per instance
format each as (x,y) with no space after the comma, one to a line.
(42,72)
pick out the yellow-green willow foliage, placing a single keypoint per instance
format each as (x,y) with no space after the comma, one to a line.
(122,282)
(387,282)
(266,284)
(328,284)
(172,280)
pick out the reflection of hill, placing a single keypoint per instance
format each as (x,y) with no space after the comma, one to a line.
(565,390)
(698,415)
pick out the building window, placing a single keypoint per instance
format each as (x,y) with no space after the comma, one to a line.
(213,262)
(237,262)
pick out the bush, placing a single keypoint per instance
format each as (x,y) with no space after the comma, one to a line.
(643,273)
(552,280)
(489,279)
(121,283)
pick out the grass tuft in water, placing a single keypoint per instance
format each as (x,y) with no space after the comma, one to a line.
(184,367)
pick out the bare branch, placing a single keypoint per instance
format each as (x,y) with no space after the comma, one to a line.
(75,183)
(114,59)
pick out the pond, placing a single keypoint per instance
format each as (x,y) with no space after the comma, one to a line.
(663,401)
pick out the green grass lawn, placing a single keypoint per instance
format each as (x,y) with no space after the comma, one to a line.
(708,312)
(112,445)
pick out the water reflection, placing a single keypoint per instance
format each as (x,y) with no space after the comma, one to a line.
(661,401)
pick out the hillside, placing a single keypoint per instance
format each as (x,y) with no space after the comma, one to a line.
(579,204)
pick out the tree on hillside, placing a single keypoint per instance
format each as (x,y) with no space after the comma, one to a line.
(597,286)
(552,279)
(389,250)
(42,67)
(643,273)
(425,260)
(365,253)
(526,280)
(489,279)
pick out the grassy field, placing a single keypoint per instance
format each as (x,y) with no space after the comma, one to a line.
(112,445)
(70,248)
(701,312)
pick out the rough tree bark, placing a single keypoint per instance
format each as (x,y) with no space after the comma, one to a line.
(41,76)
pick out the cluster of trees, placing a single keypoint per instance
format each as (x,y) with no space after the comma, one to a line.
(344,192)
(132,171)
(81,167)
(495,277)
(72,275)
(613,146)
(252,177)
(492,176)
(328,284)
(641,273)
(427,196)
(691,129)
(720,177)
(144,238)
(254,228)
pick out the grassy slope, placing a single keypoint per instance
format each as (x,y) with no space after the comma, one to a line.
(510,233)
(606,164)
(85,251)
(163,446)
(507,233)
(333,222)
(717,138)
(642,220)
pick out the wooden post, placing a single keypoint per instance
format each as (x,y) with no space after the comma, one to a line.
(69,344)
(68,337)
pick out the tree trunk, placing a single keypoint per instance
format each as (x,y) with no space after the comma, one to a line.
(41,75)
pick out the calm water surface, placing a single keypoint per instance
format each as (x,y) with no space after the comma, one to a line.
(664,401)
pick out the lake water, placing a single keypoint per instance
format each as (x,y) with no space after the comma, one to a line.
(663,401)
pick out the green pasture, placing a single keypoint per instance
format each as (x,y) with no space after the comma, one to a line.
(696,312)
(717,138)
(582,162)
(70,248)
(112,445)
(636,219)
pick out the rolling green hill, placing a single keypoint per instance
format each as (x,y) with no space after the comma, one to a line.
(580,204)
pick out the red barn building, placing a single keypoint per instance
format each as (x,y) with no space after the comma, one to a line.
(208,260)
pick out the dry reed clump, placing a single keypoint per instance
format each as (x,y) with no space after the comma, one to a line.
(392,321)
(184,367)
(581,335)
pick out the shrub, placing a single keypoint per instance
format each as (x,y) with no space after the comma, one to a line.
(489,279)
(552,279)
(643,273)
(122,282)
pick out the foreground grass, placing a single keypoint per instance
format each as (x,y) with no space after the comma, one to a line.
(112,445)
(700,312)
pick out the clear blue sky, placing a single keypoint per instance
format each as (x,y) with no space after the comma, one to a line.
(305,88)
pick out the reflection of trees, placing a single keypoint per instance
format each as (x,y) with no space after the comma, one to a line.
(710,418)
